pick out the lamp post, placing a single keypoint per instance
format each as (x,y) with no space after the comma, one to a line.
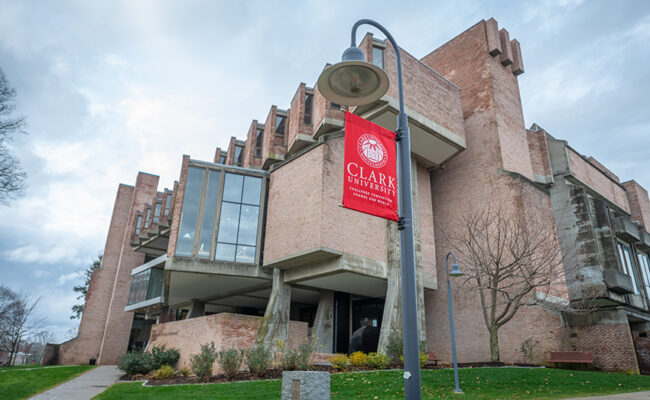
(455,271)
(354,82)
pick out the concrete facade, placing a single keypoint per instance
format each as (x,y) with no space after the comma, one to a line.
(301,267)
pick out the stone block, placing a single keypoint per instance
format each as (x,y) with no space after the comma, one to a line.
(305,385)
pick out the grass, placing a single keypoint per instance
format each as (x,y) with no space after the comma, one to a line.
(478,383)
(18,383)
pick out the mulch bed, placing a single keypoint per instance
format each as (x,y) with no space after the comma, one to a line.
(275,373)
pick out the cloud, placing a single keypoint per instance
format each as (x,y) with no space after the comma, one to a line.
(73,276)
(31,254)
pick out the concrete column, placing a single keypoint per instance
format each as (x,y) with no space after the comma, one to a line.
(275,324)
(197,309)
(323,331)
(392,319)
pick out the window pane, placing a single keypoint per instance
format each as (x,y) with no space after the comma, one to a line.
(225,252)
(222,159)
(630,266)
(239,155)
(232,188)
(228,222)
(155,283)
(308,108)
(245,254)
(279,124)
(378,57)
(252,190)
(168,204)
(248,225)
(207,227)
(146,219)
(156,214)
(190,213)
(138,224)
(139,284)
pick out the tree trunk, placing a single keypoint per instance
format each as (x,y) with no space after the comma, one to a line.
(494,344)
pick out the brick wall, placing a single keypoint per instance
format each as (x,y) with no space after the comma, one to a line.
(226,330)
(597,180)
(637,197)
(612,345)
(91,328)
(118,322)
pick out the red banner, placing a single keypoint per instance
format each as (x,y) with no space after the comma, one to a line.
(370,173)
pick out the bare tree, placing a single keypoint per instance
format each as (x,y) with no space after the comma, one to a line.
(509,258)
(18,323)
(12,178)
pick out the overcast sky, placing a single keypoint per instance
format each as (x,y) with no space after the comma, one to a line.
(116,87)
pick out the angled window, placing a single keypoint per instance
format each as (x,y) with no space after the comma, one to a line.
(138,224)
(222,159)
(168,203)
(239,155)
(644,264)
(308,108)
(189,216)
(156,213)
(239,220)
(147,217)
(627,263)
(146,285)
(378,56)
(221,214)
(259,142)
(280,127)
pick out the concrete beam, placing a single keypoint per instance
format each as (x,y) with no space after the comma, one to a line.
(274,326)
(323,331)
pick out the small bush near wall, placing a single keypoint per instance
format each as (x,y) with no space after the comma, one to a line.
(339,362)
(135,363)
(300,359)
(230,361)
(394,347)
(378,360)
(258,360)
(161,356)
(164,372)
(202,362)
(358,359)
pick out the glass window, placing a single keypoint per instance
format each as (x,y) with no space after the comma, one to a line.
(191,202)
(205,241)
(168,203)
(644,263)
(308,108)
(280,126)
(335,106)
(378,56)
(155,283)
(156,214)
(138,224)
(238,223)
(625,254)
(222,159)
(259,138)
(239,155)
(146,219)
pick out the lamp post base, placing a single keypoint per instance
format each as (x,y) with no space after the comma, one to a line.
(459,391)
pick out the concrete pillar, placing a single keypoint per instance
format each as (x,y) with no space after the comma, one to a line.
(323,331)
(197,309)
(275,324)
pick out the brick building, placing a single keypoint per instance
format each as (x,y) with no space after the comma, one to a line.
(254,246)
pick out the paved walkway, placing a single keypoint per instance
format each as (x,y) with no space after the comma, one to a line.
(84,387)
(622,396)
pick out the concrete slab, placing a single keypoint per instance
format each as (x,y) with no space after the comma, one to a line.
(85,386)
(622,396)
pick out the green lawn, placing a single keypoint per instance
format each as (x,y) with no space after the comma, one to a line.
(478,383)
(17,383)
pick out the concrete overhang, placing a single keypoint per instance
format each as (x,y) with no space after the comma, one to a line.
(307,257)
(271,159)
(644,240)
(431,143)
(210,267)
(182,287)
(148,306)
(153,263)
(155,244)
(300,142)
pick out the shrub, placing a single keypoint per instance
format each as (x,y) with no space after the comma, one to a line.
(258,360)
(135,362)
(394,347)
(230,361)
(339,362)
(528,349)
(359,359)
(185,372)
(423,359)
(378,360)
(164,372)
(161,356)
(202,362)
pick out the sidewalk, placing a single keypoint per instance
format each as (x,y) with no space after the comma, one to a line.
(85,386)
(622,396)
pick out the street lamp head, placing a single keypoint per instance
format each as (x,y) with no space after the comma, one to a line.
(353,81)
(455,270)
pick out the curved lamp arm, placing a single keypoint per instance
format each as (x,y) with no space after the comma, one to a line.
(397,52)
